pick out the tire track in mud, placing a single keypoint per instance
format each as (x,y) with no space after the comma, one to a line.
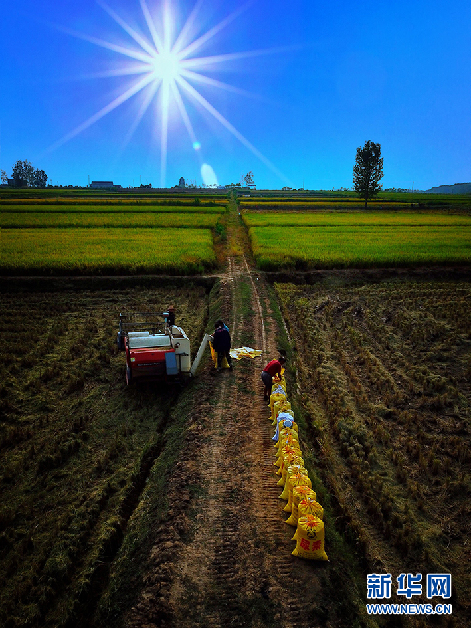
(230,562)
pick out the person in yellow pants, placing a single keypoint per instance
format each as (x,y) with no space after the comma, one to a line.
(222,344)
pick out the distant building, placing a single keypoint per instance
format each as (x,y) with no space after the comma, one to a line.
(456,188)
(103,184)
(181,182)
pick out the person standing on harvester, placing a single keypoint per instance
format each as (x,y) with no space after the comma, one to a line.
(272,368)
(222,344)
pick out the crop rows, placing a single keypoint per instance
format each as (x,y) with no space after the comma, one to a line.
(353,219)
(335,247)
(74,441)
(106,251)
(83,207)
(385,372)
(126,220)
(113,202)
(307,204)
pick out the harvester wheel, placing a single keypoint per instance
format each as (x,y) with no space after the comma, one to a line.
(128,375)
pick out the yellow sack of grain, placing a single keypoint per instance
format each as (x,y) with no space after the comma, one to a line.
(281,423)
(287,449)
(279,381)
(278,394)
(281,405)
(291,470)
(283,419)
(289,438)
(309,506)
(286,421)
(300,493)
(283,433)
(310,538)
(291,459)
(297,479)
(285,460)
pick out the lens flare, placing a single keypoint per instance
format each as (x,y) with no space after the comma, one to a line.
(209,176)
(167,69)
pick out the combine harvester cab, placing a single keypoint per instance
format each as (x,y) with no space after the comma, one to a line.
(153,353)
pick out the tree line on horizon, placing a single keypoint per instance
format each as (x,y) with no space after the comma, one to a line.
(367,172)
(25,175)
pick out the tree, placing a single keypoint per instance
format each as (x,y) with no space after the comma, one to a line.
(3,176)
(24,174)
(368,170)
(249,179)
(40,179)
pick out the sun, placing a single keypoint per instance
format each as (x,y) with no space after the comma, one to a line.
(167,69)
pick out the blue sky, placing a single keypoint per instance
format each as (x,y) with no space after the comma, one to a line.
(332,76)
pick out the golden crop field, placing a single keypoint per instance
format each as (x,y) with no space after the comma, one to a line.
(33,219)
(106,251)
(360,246)
(353,219)
(93,207)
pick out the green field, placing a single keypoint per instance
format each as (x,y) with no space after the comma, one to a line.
(93,207)
(176,233)
(21,220)
(106,251)
(351,219)
(333,247)
(349,200)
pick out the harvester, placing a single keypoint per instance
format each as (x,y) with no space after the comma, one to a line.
(156,348)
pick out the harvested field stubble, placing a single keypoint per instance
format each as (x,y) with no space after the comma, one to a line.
(76,444)
(385,372)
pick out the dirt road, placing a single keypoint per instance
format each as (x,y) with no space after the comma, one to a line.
(224,557)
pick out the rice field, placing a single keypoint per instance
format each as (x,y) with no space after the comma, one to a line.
(359,246)
(82,206)
(306,204)
(87,219)
(349,200)
(106,251)
(352,219)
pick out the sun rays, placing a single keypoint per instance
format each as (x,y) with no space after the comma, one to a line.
(166,68)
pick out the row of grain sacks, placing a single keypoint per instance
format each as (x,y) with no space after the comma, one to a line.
(305,513)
